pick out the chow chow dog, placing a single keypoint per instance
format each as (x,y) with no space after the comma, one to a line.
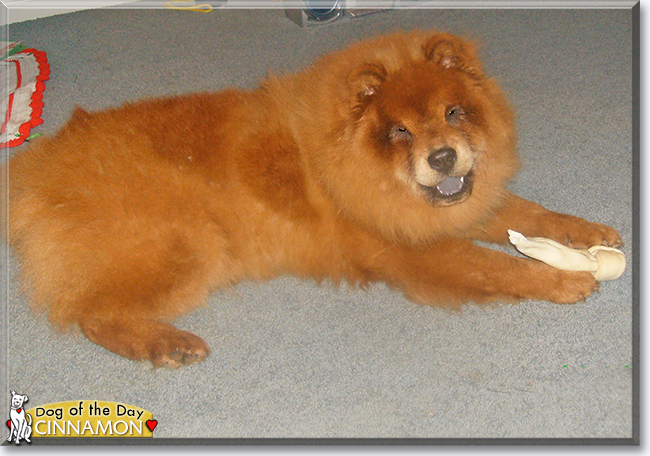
(382,162)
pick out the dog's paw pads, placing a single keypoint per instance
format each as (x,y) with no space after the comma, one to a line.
(186,357)
(180,349)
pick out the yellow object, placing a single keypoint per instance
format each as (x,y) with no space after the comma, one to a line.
(89,418)
(188,5)
(605,263)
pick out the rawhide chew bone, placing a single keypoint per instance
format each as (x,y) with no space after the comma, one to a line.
(605,263)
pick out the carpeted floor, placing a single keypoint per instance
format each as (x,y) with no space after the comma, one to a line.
(294,359)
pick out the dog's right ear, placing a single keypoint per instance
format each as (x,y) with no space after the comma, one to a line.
(365,80)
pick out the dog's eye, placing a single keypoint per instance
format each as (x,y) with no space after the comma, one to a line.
(399,132)
(454,114)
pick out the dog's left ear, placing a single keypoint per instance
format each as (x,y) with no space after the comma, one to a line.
(450,52)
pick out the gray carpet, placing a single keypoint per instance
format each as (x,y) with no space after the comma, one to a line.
(294,359)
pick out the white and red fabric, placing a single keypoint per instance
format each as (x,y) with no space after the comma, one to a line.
(22,77)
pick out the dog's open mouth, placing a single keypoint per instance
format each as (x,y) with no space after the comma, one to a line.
(450,191)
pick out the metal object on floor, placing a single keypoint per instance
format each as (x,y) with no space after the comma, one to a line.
(310,13)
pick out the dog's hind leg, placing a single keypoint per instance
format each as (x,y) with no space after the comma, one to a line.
(142,338)
(122,291)
(128,313)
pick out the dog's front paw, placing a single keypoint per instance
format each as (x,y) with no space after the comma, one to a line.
(570,287)
(594,234)
(579,233)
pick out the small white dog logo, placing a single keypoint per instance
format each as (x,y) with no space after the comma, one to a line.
(20,427)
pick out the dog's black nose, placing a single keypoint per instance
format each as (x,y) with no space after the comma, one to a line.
(442,160)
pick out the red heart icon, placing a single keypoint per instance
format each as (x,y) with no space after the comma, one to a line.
(19,410)
(9,424)
(151,424)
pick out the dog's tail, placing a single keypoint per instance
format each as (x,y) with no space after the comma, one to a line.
(27,415)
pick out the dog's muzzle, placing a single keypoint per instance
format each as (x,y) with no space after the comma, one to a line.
(452,189)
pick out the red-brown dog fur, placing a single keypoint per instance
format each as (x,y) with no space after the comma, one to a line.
(128,218)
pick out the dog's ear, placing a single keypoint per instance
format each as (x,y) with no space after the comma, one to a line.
(25,398)
(450,52)
(13,393)
(363,83)
(365,80)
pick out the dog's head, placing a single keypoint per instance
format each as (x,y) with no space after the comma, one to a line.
(432,119)
(425,140)
(17,400)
